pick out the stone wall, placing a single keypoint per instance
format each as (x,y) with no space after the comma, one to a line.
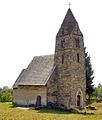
(52,87)
(71,73)
(27,95)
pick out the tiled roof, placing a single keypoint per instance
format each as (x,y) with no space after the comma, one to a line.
(68,25)
(38,71)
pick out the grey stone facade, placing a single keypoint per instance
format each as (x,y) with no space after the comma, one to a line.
(59,78)
(70,63)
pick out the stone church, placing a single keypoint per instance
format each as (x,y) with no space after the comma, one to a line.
(59,78)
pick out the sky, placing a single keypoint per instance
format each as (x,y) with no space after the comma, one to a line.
(28,28)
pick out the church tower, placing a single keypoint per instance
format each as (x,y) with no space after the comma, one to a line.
(69,60)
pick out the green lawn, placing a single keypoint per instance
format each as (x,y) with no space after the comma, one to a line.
(8,112)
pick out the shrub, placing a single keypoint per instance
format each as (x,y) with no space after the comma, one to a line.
(5,94)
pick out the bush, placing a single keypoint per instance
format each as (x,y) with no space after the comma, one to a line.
(5,94)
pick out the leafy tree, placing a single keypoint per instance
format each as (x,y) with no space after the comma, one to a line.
(6,97)
(89,75)
(99,85)
(0,89)
(5,88)
(5,94)
(98,92)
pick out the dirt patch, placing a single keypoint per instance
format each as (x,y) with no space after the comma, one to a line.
(22,108)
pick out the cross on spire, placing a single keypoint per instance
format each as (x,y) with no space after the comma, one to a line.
(69,4)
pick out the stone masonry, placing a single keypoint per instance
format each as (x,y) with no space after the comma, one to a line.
(70,63)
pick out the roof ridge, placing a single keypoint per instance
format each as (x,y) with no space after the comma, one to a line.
(44,55)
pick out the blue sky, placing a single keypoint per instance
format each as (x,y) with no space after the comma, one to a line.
(28,28)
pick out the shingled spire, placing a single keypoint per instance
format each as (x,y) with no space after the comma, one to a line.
(68,25)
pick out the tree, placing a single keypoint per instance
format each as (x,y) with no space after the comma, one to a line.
(5,94)
(98,92)
(99,85)
(6,97)
(89,75)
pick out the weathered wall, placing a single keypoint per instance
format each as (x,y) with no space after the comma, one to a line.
(71,74)
(52,87)
(26,95)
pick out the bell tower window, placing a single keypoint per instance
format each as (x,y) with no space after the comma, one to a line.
(62,59)
(77,43)
(78,57)
(62,43)
(62,31)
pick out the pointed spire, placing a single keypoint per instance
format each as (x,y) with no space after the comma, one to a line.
(68,24)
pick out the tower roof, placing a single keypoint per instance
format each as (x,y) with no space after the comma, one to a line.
(68,24)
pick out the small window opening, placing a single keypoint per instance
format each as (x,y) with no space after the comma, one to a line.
(77,43)
(62,31)
(62,59)
(78,57)
(62,43)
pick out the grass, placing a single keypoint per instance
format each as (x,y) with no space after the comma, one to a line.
(8,112)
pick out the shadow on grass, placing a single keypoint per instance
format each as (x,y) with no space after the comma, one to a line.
(52,111)
(13,105)
(41,110)
(57,111)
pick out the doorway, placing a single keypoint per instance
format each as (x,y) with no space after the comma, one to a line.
(38,101)
(78,100)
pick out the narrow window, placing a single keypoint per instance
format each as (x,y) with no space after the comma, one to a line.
(78,100)
(62,31)
(78,57)
(62,43)
(62,59)
(77,43)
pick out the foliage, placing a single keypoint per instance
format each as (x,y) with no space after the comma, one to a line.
(89,75)
(98,92)
(5,94)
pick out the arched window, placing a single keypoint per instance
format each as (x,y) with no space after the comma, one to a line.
(78,100)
